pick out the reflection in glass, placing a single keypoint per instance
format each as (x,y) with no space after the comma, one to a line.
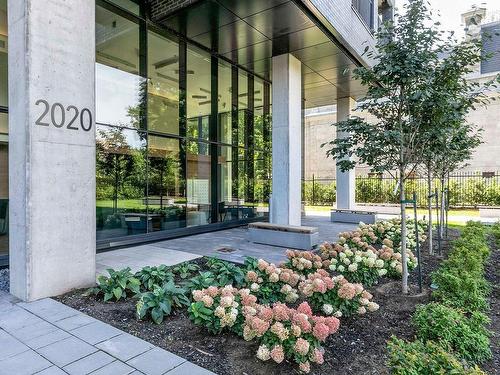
(224,106)
(120,183)
(119,88)
(3,54)
(4,187)
(166,184)
(229,206)
(198,83)
(128,5)
(163,86)
(198,183)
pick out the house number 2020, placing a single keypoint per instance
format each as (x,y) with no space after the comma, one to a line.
(59,116)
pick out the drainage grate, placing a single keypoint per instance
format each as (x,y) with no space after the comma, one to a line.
(226,250)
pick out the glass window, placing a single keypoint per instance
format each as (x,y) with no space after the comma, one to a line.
(4,92)
(242,108)
(120,182)
(4,187)
(258,125)
(198,92)
(119,88)
(163,84)
(129,5)
(225,103)
(198,183)
(229,205)
(166,183)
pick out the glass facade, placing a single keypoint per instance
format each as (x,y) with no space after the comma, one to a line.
(4,130)
(182,137)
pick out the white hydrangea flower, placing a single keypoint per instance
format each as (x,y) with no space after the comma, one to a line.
(327,309)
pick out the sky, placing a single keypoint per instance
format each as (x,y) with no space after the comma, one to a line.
(451,11)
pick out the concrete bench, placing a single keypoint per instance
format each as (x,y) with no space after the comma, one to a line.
(352,216)
(289,236)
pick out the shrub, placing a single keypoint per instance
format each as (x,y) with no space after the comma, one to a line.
(120,284)
(217,309)
(226,273)
(336,295)
(495,230)
(151,276)
(186,269)
(160,301)
(460,290)
(467,338)
(270,283)
(286,333)
(418,358)
(303,262)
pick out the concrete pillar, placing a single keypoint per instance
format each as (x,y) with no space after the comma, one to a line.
(346,182)
(286,138)
(51,146)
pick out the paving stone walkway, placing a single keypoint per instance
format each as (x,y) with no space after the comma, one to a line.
(47,337)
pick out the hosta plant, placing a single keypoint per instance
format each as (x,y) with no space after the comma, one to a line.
(201,281)
(335,295)
(220,308)
(151,276)
(271,283)
(286,333)
(119,285)
(160,301)
(226,273)
(186,269)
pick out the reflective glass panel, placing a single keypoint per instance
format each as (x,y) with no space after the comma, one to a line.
(198,92)
(3,54)
(119,88)
(224,106)
(163,84)
(128,5)
(4,187)
(120,182)
(166,183)
(198,183)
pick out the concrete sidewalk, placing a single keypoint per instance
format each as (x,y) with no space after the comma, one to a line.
(49,338)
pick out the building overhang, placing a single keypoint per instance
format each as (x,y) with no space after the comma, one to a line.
(250,33)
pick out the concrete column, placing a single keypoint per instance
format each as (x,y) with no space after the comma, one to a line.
(286,138)
(51,146)
(346,182)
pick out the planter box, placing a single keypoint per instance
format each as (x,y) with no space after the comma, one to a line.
(289,236)
(349,216)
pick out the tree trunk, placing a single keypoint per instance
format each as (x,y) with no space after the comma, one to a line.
(429,206)
(442,208)
(403,233)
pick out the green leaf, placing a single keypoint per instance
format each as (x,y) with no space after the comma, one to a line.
(157,315)
(117,292)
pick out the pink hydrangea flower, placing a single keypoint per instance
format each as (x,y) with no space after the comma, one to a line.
(280,311)
(302,346)
(317,356)
(278,354)
(304,308)
(305,367)
(321,331)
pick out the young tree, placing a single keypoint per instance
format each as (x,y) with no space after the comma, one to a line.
(451,140)
(397,86)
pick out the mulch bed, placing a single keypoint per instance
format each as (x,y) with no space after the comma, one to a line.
(359,347)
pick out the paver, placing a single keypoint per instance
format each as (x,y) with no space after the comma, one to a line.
(54,370)
(88,364)
(125,346)
(156,361)
(66,351)
(26,363)
(96,332)
(10,346)
(74,322)
(50,338)
(49,309)
(114,368)
(17,318)
(189,368)
(33,331)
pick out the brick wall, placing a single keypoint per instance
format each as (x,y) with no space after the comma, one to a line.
(160,8)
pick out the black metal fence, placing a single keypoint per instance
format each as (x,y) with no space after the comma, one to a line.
(467,189)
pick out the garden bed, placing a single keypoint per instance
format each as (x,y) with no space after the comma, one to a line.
(359,346)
